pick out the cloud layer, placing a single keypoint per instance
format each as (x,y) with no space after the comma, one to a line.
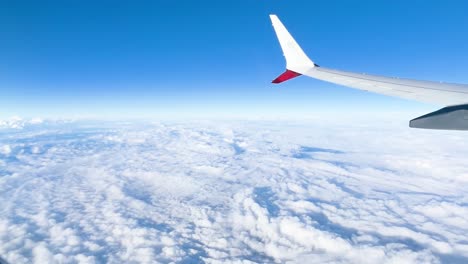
(303,191)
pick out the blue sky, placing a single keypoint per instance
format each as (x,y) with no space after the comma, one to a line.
(185,58)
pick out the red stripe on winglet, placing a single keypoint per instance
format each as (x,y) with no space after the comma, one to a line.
(287,75)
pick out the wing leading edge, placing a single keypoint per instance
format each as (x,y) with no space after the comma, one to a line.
(437,93)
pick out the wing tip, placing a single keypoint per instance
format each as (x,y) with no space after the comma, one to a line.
(287,75)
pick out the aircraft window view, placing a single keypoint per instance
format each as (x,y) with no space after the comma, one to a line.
(233,131)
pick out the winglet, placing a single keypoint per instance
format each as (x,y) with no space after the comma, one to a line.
(287,75)
(297,62)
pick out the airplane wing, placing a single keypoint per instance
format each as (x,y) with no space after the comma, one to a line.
(454,117)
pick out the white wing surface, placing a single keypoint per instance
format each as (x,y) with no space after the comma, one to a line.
(446,94)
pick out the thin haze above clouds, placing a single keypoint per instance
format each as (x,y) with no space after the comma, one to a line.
(305,192)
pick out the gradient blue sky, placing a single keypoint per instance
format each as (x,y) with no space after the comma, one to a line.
(184,58)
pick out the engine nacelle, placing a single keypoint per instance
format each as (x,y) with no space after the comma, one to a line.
(448,118)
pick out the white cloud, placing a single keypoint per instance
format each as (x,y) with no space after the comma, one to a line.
(232,192)
(5,149)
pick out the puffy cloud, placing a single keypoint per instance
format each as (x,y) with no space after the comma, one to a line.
(240,192)
(16,122)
